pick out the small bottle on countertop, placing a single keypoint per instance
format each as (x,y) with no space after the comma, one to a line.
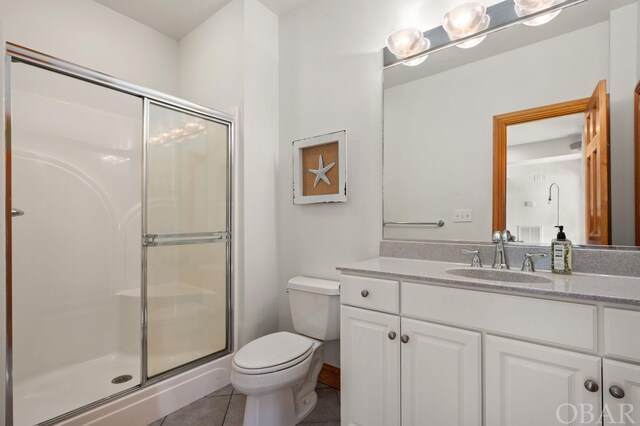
(561,253)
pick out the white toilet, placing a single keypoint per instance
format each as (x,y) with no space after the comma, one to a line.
(278,372)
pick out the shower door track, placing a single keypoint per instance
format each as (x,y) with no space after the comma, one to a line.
(17,53)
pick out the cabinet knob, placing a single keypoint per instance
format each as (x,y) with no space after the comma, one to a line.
(591,386)
(364,293)
(616,392)
(392,335)
(404,338)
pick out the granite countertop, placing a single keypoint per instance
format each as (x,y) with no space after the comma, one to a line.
(588,287)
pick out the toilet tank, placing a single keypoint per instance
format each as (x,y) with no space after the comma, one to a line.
(315,307)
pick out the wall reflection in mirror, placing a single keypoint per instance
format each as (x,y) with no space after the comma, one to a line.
(530,129)
(545,179)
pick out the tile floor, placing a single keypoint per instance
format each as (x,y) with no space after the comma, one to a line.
(225,407)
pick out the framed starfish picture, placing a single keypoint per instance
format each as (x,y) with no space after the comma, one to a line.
(320,169)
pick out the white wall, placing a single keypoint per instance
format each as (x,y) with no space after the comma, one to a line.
(638,44)
(3,334)
(211,60)
(260,168)
(331,79)
(521,187)
(443,160)
(623,80)
(94,36)
(230,63)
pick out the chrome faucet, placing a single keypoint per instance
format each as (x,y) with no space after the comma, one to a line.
(527,264)
(500,239)
(475,262)
(558,202)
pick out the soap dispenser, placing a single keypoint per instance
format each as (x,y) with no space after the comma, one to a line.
(561,253)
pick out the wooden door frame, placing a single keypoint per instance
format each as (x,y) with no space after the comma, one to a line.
(636,131)
(500,123)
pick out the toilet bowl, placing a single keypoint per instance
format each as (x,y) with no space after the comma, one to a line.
(278,372)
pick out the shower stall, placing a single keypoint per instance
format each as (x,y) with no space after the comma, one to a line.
(118,203)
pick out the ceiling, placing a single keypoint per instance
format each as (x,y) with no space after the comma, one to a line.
(546,141)
(544,130)
(175,19)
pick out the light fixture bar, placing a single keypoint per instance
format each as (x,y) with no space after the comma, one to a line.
(503,15)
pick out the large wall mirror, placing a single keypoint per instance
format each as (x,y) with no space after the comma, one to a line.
(532,128)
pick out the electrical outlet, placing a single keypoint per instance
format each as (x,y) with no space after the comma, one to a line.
(464,215)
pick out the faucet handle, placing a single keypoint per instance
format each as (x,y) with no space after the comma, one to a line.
(475,262)
(507,237)
(527,264)
(497,237)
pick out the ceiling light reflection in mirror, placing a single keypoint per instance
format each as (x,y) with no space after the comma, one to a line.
(186,131)
(527,7)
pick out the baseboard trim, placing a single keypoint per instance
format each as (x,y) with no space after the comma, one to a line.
(330,376)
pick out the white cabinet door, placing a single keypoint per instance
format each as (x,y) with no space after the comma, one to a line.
(534,385)
(370,365)
(440,375)
(621,393)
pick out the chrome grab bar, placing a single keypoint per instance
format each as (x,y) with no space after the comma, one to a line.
(151,240)
(439,223)
(185,242)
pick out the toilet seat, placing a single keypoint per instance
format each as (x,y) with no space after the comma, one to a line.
(273,352)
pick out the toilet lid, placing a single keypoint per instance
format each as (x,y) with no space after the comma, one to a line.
(273,350)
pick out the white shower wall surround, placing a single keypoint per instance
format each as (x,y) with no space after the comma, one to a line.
(91,185)
(59,142)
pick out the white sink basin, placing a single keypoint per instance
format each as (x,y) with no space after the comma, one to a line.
(499,275)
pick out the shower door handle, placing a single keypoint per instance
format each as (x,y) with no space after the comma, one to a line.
(16,212)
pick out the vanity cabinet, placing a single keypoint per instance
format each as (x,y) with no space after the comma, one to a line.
(414,353)
(531,385)
(621,392)
(439,366)
(440,370)
(370,364)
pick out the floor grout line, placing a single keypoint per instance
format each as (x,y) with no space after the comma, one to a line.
(224,419)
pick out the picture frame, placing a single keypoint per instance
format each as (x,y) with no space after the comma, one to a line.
(320,169)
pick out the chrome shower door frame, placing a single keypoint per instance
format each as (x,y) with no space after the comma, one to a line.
(149,240)
(16,53)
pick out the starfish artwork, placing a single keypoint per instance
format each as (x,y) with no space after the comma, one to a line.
(321,172)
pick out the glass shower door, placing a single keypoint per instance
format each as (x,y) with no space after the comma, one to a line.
(76,167)
(186,240)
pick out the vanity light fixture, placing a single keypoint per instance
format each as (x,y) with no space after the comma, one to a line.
(527,7)
(406,42)
(464,20)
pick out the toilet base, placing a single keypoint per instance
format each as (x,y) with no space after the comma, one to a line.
(306,406)
(283,404)
(278,408)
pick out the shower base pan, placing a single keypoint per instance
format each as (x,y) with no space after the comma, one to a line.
(44,397)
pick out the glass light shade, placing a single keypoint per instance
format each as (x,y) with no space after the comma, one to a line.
(422,45)
(527,7)
(464,20)
(416,61)
(471,43)
(406,42)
